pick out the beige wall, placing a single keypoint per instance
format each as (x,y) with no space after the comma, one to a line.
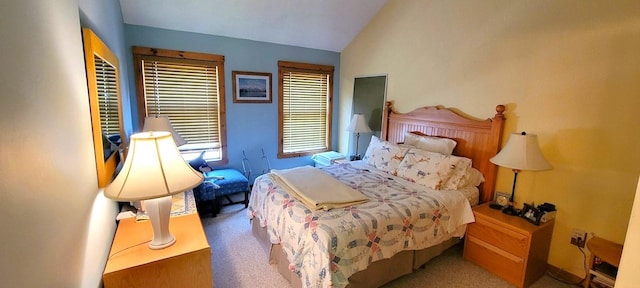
(56,226)
(568,71)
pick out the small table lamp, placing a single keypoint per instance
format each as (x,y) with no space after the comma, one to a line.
(162,123)
(358,125)
(153,171)
(520,153)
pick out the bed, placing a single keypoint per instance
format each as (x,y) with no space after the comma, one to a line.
(401,226)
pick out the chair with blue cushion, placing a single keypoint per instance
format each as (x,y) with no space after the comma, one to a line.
(230,181)
(218,185)
(203,193)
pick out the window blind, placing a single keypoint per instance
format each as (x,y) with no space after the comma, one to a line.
(305,110)
(107,97)
(188,92)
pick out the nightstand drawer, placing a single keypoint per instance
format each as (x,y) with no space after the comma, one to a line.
(507,266)
(498,236)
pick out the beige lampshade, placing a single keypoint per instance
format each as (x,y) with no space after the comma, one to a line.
(154,168)
(358,124)
(162,123)
(521,153)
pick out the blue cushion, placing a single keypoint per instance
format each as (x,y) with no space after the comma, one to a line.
(233,181)
(204,192)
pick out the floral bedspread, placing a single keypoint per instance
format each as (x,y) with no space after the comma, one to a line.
(324,248)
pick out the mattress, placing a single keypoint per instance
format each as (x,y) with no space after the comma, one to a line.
(324,248)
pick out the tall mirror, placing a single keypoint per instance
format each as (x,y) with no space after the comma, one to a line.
(103,80)
(369,94)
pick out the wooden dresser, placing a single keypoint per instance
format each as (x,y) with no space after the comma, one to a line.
(186,263)
(508,246)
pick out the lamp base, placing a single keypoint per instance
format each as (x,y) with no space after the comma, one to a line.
(159,211)
(510,211)
(495,206)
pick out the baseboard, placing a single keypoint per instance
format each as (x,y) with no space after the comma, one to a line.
(564,276)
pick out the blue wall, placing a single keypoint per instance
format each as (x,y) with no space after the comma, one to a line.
(250,126)
(105,19)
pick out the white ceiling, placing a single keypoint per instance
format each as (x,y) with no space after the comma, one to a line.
(320,24)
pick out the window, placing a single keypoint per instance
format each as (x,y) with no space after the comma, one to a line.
(306,94)
(188,88)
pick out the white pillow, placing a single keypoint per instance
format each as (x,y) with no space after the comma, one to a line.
(430,143)
(384,155)
(426,168)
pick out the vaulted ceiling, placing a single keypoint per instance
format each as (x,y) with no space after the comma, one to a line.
(319,24)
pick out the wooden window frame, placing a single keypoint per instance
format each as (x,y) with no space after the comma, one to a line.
(287,66)
(146,53)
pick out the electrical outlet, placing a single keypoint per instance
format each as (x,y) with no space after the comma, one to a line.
(578,237)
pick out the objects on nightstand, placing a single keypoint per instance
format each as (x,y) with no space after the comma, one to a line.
(500,201)
(538,215)
(124,214)
(153,171)
(548,212)
(358,125)
(327,158)
(520,153)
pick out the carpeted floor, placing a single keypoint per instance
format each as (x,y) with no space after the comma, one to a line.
(239,261)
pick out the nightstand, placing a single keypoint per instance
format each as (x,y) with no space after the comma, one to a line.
(186,263)
(508,246)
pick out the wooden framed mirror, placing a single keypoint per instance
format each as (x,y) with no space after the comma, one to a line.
(103,81)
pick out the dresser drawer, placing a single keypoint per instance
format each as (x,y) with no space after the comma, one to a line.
(507,266)
(507,240)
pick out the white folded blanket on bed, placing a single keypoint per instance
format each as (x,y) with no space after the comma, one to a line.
(316,189)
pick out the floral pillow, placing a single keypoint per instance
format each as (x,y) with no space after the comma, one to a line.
(473,178)
(429,169)
(384,155)
(460,174)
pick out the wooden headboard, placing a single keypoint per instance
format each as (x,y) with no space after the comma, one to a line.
(478,140)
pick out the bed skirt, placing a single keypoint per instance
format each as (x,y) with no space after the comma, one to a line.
(376,275)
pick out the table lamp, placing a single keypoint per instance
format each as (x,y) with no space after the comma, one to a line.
(162,123)
(358,125)
(153,171)
(520,153)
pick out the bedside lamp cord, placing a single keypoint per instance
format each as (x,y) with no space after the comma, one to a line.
(125,249)
(555,276)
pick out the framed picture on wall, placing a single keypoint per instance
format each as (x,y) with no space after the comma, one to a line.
(251,87)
